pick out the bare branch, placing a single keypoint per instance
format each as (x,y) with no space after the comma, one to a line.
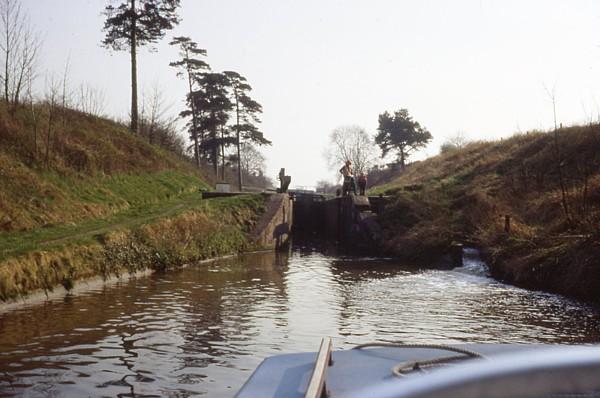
(351,143)
(19,50)
(91,100)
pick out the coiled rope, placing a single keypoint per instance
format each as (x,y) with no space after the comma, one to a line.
(403,368)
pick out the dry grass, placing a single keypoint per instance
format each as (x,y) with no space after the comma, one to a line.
(464,195)
(101,202)
(213,228)
(95,168)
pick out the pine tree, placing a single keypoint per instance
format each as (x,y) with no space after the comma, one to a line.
(401,133)
(212,103)
(191,66)
(133,24)
(246,113)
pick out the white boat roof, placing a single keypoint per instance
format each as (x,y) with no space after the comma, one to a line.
(288,375)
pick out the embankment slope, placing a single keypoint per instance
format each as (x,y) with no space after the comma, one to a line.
(81,196)
(548,183)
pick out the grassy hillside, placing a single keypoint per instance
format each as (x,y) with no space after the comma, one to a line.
(69,166)
(549,185)
(81,196)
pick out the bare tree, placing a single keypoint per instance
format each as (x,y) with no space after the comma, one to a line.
(456,141)
(558,158)
(51,99)
(351,143)
(34,117)
(65,98)
(157,125)
(26,63)
(167,136)
(154,112)
(19,49)
(552,95)
(251,160)
(10,11)
(91,100)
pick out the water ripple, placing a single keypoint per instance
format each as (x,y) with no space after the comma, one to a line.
(203,329)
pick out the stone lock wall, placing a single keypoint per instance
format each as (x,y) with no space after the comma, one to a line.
(274,228)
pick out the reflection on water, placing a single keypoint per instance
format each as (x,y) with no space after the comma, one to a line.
(203,329)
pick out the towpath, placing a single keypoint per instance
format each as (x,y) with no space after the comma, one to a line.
(16,243)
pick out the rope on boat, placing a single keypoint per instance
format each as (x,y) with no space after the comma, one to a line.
(403,368)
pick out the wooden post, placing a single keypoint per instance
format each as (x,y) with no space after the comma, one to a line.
(456,252)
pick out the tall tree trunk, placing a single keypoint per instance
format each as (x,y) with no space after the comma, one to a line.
(402,158)
(63,111)
(133,48)
(17,93)
(239,157)
(215,152)
(194,118)
(7,53)
(49,133)
(222,153)
(151,132)
(239,161)
(196,150)
(561,180)
(34,119)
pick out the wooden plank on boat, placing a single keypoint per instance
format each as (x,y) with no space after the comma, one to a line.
(316,386)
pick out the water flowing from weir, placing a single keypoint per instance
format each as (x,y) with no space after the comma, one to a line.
(203,329)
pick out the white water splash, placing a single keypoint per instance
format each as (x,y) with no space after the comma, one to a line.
(473,264)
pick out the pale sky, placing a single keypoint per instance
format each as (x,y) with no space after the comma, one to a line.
(474,66)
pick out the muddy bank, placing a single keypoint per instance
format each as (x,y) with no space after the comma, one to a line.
(570,267)
(422,234)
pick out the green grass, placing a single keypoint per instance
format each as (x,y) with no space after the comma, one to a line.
(104,201)
(95,169)
(17,243)
(55,199)
(156,236)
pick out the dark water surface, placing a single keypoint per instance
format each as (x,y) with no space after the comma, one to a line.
(202,330)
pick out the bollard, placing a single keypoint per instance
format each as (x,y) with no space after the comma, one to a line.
(456,253)
(284,181)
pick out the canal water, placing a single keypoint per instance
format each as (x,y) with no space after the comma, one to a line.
(203,329)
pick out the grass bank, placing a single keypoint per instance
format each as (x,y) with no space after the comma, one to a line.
(181,232)
(548,183)
(82,196)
